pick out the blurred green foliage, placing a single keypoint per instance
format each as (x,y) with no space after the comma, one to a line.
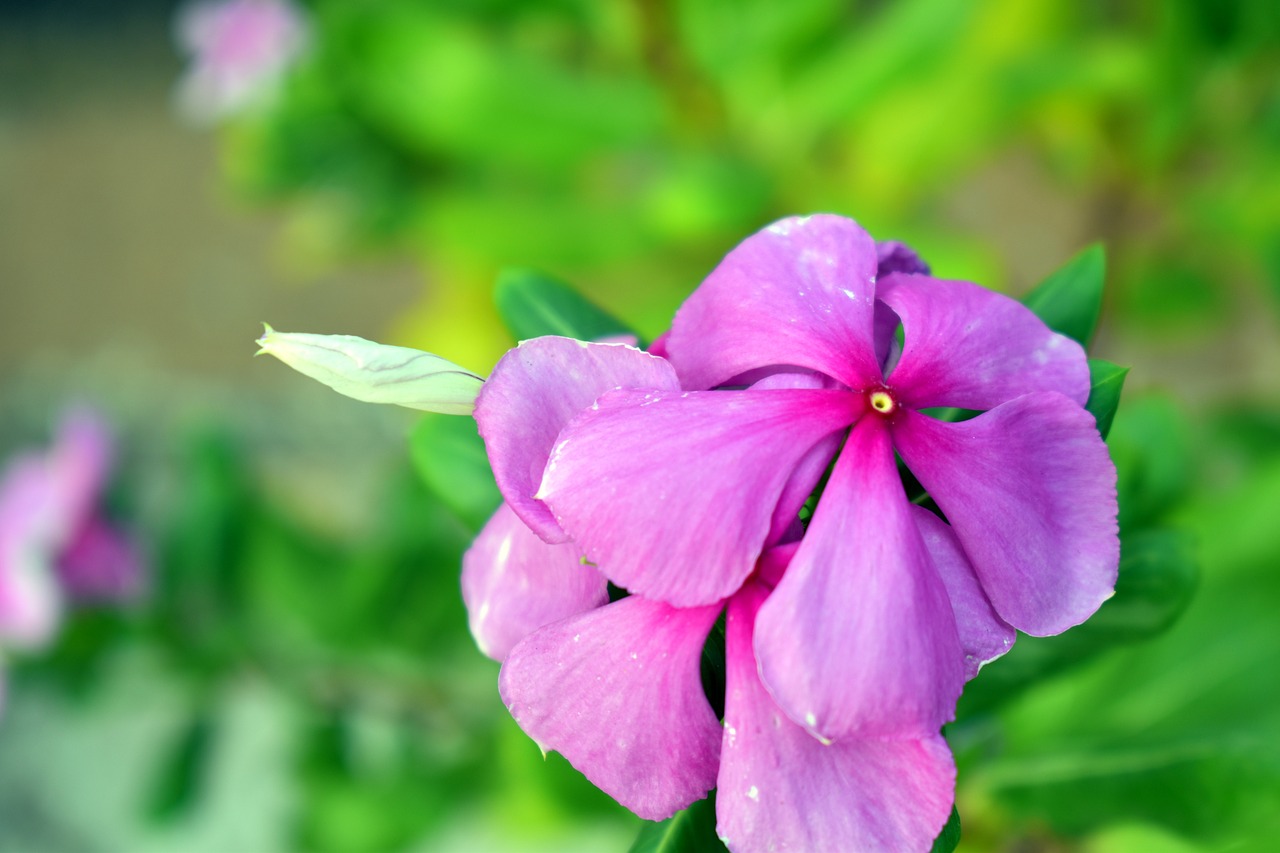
(627,145)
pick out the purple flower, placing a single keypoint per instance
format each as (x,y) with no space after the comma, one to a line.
(616,688)
(680,475)
(54,542)
(239,51)
(675,494)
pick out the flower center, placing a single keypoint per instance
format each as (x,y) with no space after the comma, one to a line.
(882,401)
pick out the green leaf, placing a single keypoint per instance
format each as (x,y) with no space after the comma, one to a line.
(1153,448)
(713,668)
(949,838)
(1070,298)
(1106,380)
(532,304)
(690,831)
(178,786)
(450,457)
(1158,576)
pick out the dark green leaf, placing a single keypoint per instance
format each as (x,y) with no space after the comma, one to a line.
(1106,380)
(532,304)
(1158,575)
(178,786)
(713,667)
(949,838)
(450,457)
(1153,448)
(1070,299)
(690,831)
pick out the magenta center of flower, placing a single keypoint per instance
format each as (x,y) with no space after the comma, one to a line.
(881,401)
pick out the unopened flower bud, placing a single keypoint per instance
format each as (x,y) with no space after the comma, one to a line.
(377,373)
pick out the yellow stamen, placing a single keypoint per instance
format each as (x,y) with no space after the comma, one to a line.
(882,402)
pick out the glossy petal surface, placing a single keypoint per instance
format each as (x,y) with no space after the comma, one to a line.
(1030,492)
(513,583)
(673,495)
(782,789)
(859,639)
(535,390)
(800,292)
(984,636)
(618,692)
(969,347)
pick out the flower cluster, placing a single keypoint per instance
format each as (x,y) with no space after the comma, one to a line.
(649,493)
(55,543)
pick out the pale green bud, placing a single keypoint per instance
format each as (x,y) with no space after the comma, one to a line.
(377,373)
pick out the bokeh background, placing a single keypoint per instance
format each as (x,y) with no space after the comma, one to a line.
(299,675)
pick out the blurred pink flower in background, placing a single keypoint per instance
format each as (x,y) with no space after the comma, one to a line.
(55,544)
(239,51)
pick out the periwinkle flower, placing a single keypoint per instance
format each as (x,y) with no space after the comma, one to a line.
(674,494)
(239,51)
(55,542)
(680,474)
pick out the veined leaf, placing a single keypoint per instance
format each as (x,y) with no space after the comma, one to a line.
(1070,299)
(532,305)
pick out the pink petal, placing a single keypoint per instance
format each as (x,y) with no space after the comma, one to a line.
(513,583)
(30,602)
(798,293)
(888,347)
(781,789)
(966,346)
(659,345)
(859,639)
(984,636)
(101,563)
(1031,494)
(804,479)
(893,256)
(809,470)
(77,468)
(618,692)
(534,391)
(673,495)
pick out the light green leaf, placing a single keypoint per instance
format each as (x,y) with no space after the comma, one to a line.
(532,304)
(690,831)
(1070,299)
